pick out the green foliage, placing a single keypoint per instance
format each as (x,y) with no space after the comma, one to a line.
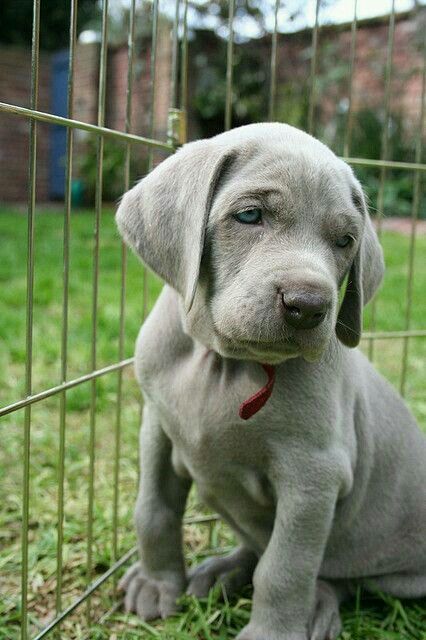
(113,168)
(293,104)
(366,142)
(249,99)
(367,133)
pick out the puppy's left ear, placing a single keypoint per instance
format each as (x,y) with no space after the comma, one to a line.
(164,217)
(365,276)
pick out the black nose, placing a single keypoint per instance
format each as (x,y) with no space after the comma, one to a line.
(304,310)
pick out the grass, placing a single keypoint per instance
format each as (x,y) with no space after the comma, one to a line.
(379,617)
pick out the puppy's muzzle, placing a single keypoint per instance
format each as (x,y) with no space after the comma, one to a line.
(304,310)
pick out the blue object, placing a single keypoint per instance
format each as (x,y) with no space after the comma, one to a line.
(58,134)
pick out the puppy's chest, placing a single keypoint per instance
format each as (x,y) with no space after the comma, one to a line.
(199,398)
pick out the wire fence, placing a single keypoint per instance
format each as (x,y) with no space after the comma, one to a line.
(176,135)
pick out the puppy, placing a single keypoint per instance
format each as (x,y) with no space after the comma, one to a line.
(253,389)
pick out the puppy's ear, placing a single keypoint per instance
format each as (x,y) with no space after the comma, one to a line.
(365,276)
(164,217)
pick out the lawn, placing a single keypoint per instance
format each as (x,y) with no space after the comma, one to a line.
(369,617)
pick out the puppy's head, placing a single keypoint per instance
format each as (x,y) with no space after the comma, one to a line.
(258,229)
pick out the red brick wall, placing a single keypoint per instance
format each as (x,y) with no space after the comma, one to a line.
(141,95)
(369,69)
(15,83)
(85,99)
(293,66)
(407,68)
(86,74)
(141,108)
(15,66)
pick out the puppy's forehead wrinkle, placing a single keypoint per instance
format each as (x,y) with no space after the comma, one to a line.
(243,194)
(286,182)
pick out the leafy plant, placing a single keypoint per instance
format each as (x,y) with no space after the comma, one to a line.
(113,169)
(366,142)
(249,98)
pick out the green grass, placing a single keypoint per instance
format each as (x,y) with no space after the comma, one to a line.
(367,617)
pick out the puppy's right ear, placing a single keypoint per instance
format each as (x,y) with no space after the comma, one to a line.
(164,217)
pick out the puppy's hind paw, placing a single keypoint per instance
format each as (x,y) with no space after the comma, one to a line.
(232,572)
(147,597)
(325,623)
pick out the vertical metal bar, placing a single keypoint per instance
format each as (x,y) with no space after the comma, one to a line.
(414,217)
(153,76)
(229,66)
(64,334)
(175,47)
(349,123)
(273,69)
(98,212)
(117,435)
(35,58)
(383,154)
(314,64)
(153,87)
(184,61)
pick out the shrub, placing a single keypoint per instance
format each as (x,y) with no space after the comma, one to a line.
(114,160)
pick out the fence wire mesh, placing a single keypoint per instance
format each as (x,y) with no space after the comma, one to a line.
(179,105)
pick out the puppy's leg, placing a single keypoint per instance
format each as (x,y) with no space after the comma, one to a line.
(285,579)
(153,584)
(402,585)
(233,572)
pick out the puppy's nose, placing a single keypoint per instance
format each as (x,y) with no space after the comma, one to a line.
(304,310)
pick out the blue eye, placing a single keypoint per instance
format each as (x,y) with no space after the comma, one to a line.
(344,241)
(250,216)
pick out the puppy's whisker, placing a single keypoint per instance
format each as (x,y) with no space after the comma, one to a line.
(342,324)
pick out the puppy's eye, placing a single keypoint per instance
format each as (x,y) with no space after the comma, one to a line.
(344,241)
(250,216)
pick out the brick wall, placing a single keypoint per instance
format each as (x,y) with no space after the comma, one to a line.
(369,71)
(293,68)
(407,67)
(141,95)
(141,108)
(15,83)
(15,68)
(86,73)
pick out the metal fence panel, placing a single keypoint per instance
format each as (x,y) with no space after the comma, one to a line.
(179,104)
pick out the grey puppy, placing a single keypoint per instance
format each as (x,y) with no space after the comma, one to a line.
(255,232)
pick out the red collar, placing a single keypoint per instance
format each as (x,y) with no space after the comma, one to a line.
(253,404)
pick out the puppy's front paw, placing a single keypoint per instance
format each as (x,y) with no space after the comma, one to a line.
(253,632)
(148,597)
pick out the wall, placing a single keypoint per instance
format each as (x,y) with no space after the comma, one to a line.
(293,69)
(15,88)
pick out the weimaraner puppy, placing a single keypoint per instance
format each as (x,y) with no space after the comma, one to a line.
(253,388)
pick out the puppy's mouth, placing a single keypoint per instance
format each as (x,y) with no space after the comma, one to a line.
(273,351)
(276,353)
